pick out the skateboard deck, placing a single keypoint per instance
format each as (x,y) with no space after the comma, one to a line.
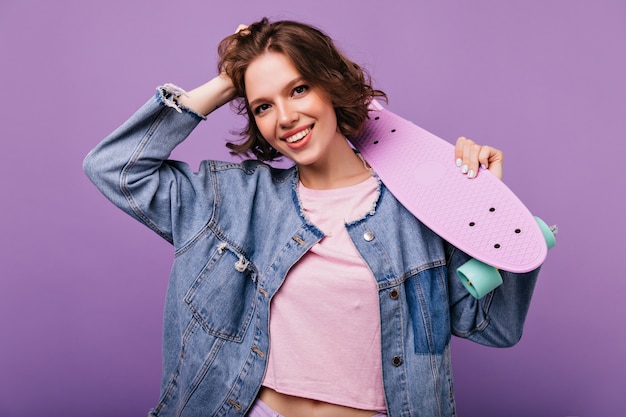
(480,216)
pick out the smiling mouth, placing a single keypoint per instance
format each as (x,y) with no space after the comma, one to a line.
(298,136)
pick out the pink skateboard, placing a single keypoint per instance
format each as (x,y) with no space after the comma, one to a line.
(482,217)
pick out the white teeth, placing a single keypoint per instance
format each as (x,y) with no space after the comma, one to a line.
(298,136)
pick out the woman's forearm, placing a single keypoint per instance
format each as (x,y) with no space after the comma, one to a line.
(209,96)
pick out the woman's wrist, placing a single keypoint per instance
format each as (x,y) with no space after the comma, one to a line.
(209,96)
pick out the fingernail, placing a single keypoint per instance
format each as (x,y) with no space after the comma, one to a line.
(471,174)
(459,162)
(464,169)
(483,166)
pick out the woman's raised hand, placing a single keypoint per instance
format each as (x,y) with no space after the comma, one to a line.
(471,156)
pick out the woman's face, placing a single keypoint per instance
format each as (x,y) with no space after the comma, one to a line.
(296,119)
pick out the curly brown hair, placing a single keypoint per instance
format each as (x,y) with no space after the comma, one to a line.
(315,56)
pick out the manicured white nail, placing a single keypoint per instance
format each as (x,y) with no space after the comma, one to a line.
(464,169)
(471,174)
(459,162)
(483,166)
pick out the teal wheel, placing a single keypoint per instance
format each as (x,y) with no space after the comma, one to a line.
(478,277)
(548,232)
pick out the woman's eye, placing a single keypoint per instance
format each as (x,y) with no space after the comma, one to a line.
(260,109)
(301,89)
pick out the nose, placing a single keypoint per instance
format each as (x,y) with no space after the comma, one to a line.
(287,115)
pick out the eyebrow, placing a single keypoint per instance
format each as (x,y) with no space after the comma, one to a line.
(289,86)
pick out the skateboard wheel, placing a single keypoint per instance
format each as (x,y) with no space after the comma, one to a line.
(548,234)
(478,278)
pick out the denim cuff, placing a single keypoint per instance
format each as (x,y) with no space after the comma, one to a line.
(168,94)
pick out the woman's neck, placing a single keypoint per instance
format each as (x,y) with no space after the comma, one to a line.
(342,170)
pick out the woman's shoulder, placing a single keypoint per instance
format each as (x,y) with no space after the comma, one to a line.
(278,172)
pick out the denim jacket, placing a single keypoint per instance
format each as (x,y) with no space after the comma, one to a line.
(237,229)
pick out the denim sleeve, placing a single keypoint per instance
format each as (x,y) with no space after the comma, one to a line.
(131,168)
(498,318)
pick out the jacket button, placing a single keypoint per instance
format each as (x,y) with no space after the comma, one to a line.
(394,293)
(396,361)
(235,404)
(259,352)
(368,236)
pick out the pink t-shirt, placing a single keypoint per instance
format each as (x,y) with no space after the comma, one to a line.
(325,319)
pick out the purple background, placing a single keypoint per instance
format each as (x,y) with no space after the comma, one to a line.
(82,284)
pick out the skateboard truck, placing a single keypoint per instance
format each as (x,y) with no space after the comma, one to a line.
(480,279)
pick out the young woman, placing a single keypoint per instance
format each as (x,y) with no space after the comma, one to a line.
(307,291)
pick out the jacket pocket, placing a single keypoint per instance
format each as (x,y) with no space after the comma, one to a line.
(428,308)
(221,298)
